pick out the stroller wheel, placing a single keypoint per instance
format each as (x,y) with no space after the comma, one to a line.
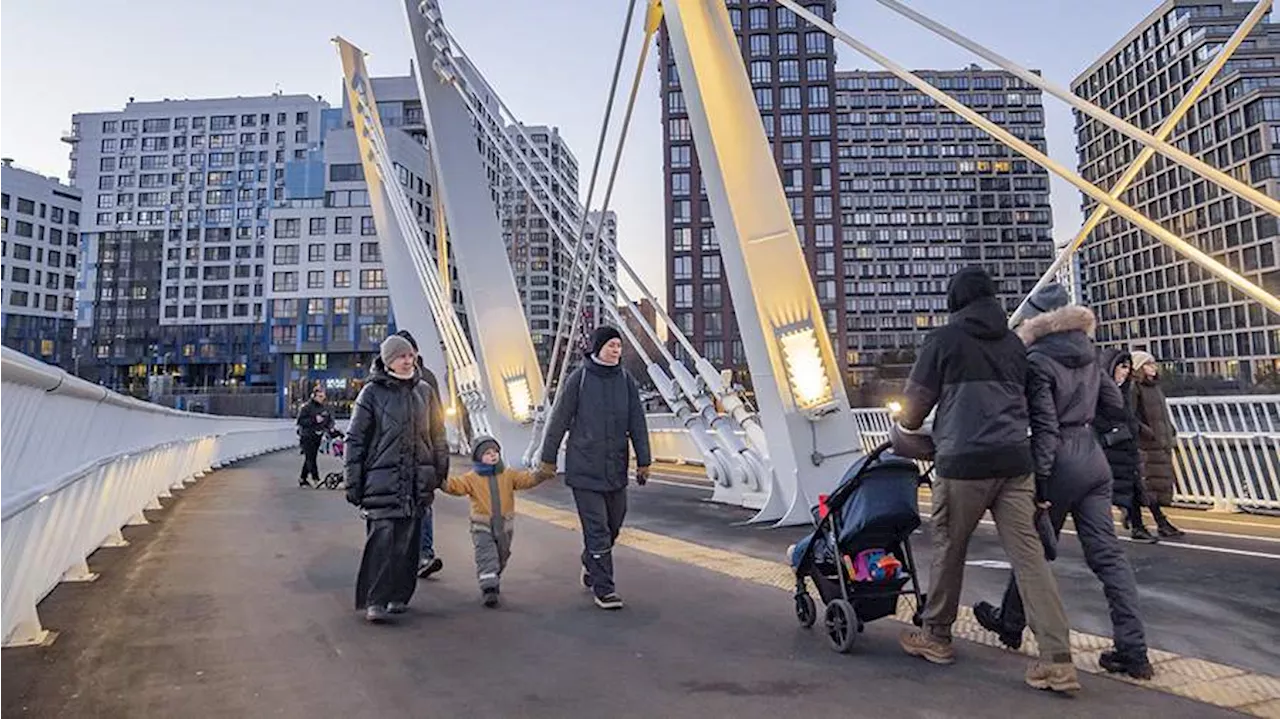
(841,625)
(806,612)
(333,480)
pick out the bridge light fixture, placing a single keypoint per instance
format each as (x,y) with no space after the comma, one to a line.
(806,372)
(520,398)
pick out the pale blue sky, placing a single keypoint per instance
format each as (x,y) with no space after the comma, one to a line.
(550,59)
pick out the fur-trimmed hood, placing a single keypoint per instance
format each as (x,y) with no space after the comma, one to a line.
(1064,319)
(1065,335)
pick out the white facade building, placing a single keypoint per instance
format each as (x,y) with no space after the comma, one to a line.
(40,219)
(176,195)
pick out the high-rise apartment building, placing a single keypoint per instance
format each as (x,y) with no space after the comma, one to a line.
(176,197)
(40,224)
(890,194)
(792,70)
(1146,295)
(922,194)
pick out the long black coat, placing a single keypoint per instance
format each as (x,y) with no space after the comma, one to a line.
(397,455)
(1156,439)
(1119,437)
(1066,390)
(599,407)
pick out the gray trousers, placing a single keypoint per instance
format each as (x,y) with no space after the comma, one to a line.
(493,548)
(601,515)
(1091,513)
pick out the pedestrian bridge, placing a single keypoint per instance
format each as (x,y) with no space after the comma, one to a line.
(157,562)
(160,563)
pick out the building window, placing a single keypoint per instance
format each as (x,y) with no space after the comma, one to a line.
(683,296)
(762,72)
(680,183)
(285,255)
(316,226)
(284,281)
(711,296)
(315,280)
(367,226)
(682,239)
(759,46)
(341,279)
(315,253)
(372,280)
(682,268)
(711,267)
(370,252)
(342,252)
(287,228)
(787,44)
(342,226)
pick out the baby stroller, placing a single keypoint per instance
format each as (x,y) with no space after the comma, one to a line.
(333,446)
(859,555)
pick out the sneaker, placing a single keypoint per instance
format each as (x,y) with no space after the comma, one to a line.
(1168,530)
(491,598)
(397,607)
(1141,535)
(1117,663)
(609,601)
(375,613)
(988,617)
(919,643)
(427,567)
(302,482)
(586,579)
(1059,677)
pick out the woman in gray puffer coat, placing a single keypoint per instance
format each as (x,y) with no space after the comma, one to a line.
(1066,390)
(397,457)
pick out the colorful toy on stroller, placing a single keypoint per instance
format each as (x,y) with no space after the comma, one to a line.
(859,555)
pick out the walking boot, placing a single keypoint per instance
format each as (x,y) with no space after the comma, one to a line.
(1056,677)
(1166,529)
(919,643)
(375,613)
(1134,666)
(1142,536)
(988,616)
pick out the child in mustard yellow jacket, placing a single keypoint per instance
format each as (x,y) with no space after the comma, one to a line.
(491,487)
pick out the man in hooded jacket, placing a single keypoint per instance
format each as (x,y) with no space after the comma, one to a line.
(1067,390)
(599,407)
(974,371)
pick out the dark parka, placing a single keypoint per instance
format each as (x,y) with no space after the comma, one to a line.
(314,421)
(397,455)
(974,370)
(1120,437)
(599,407)
(1066,390)
(1156,439)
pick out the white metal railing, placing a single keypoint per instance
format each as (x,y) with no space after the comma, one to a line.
(1227,454)
(79,462)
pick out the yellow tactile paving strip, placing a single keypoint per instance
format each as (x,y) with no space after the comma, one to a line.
(1216,684)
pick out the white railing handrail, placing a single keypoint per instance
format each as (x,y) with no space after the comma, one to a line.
(1227,453)
(80,461)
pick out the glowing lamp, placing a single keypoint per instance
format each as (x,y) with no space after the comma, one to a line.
(806,373)
(520,398)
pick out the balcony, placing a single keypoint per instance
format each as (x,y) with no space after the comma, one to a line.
(71,136)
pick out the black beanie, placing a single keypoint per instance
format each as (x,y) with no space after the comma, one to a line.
(602,335)
(968,285)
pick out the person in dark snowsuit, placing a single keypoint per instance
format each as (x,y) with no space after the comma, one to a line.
(397,457)
(1119,440)
(315,420)
(599,407)
(1066,390)
(1156,439)
(428,562)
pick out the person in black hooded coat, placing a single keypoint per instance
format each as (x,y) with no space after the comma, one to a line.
(1067,390)
(599,407)
(1119,439)
(397,456)
(428,562)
